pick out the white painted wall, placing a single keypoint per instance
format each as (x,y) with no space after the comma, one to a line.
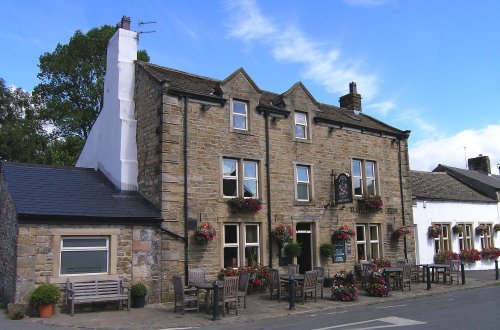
(111,145)
(427,212)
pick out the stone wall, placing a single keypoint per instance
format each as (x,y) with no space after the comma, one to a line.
(8,239)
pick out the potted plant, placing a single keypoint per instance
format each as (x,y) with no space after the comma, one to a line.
(434,231)
(205,232)
(326,250)
(481,230)
(138,292)
(370,203)
(44,297)
(402,231)
(293,249)
(282,233)
(457,229)
(343,233)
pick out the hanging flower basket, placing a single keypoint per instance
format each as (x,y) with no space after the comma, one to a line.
(457,229)
(282,233)
(343,233)
(205,232)
(402,231)
(496,228)
(370,203)
(240,204)
(434,231)
(481,230)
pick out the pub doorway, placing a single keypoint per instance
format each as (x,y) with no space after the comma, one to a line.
(304,238)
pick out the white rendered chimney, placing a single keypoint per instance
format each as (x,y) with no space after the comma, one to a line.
(111,145)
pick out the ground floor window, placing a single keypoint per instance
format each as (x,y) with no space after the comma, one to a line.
(84,255)
(241,244)
(465,239)
(442,242)
(486,239)
(368,241)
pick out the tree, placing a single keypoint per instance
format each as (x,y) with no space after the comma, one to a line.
(72,81)
(22,136)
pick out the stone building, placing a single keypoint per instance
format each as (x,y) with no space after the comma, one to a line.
(191,144)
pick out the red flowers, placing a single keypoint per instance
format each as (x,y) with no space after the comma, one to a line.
(370,203)
(343,233)
(282,233)
(205,232)
(245,204)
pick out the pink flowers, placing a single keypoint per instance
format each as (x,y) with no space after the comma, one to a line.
(370,203)
(343,233)
(434,231)
(205,232)
(245,204)
(282,233)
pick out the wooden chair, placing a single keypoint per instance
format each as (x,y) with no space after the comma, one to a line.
(454,271)
(406,277)
(415,270)
(321,279)
(308,286)
(188,298)
(229,298)
(275,283)
(443,272)
(293,269)
(196,275)
(366,270)
(242,289)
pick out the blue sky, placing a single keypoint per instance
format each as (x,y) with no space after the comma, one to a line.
(432,67)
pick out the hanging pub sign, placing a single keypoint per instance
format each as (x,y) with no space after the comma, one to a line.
(343,189)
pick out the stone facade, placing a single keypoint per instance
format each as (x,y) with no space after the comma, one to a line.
(211,138)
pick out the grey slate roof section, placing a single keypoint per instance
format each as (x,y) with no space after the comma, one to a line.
(41,190)
(442,186)
(488,185)
(187,82)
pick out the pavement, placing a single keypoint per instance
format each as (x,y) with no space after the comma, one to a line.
(259,306)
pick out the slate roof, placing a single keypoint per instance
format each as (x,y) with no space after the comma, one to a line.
(480,181)
(42,190)
(330,114)
(442,186)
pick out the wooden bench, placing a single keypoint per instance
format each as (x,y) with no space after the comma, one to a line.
(79,292)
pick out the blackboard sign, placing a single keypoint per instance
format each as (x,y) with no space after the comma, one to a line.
(338,251)
(343,189)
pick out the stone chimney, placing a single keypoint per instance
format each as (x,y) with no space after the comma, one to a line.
(481,163)
(351,101)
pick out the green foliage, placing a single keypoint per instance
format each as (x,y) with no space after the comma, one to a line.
(45,294)
(326,250)
(293,249)
(15,315)
(138,290)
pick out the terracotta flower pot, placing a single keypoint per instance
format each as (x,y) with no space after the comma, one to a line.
(46,311)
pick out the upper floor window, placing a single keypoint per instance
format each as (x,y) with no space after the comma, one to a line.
(84,255)
(364,177)
(303,185)
(442,243)
(231,179)
(239,115)
(300,125)
(465,239)
(486,240)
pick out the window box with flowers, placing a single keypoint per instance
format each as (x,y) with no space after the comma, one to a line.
(496,228)
(343,233)
(370,204)
(434,231)
(457,229)
(205,232)
(470,256)
(490,254)
(240,204)
(402,231)
(481,230)
(441,257)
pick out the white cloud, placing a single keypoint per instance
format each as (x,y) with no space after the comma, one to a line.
(323,66)
(367,3)
(426,154)
(382,108)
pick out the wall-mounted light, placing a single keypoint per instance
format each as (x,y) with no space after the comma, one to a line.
(206,106)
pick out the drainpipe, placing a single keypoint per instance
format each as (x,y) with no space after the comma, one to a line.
(402,197)
(268,184)
(186,245)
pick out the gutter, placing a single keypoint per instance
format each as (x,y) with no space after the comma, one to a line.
(363,129)
(405,249)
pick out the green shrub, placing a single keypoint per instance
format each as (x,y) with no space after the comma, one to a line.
(138,290)
(293,249)
(326,250)
(45,294)
(15,315)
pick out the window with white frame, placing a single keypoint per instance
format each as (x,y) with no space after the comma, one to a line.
(303,184)
(486,240)
(84,255)
(364,179)
(442,242)
(466,239)
(239,115)
(231,186)
(300,125)
(244,252)
(368,241)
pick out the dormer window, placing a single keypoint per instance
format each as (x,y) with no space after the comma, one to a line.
(300,125)
(239,115)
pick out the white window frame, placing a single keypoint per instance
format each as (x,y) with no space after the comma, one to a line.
(486,238)
(370,178)
(299,124)
(361,242)
(230,177)
(248,178)
(363,177)
(232,245)
(369,240)
(466,238)
(307,183)
(374,241)
(356,177)
(442,243)
(82,249)
(236,114)
(250,244)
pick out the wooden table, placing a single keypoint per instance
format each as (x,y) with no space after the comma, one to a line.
(391,270)
(208,287)
(445,268)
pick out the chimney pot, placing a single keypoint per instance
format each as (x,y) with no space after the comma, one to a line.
(125,23)
(351,101)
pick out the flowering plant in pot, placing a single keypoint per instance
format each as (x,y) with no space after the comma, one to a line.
(282,233)
(138,292)
(44,297)
(343,233)
(490,254)
(434,231)
(470,256)
(481,230)
(205,232)
(381,262)
(376,286)
(371,203)
(457,229)
(240,204)
(343,288)
(402,231)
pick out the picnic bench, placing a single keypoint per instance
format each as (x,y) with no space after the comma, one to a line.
(98,290)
